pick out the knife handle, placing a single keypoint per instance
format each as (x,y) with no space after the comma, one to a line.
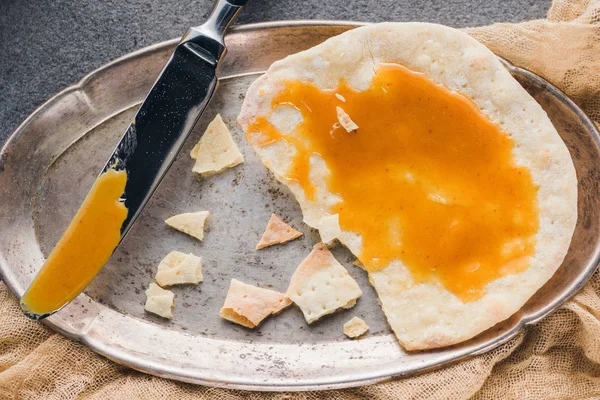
(222,15)
(210,35)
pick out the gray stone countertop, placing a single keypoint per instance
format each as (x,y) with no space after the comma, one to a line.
(46,45)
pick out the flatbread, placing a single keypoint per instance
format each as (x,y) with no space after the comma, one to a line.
(190,223)
(159,301)
(355,327)
(178,268)
(216,150)
(277,232)
(426,315)
(249,305)
(321,285)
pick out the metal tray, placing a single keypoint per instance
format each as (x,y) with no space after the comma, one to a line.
(51,160)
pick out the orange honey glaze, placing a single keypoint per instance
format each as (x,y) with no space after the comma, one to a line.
(427,178)
(84,248)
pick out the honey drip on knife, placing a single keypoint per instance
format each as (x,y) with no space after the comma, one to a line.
(84,248)
(427,178)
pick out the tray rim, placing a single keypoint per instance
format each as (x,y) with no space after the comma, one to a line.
(140,364)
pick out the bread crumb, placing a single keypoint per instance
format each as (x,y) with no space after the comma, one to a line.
(249,305)
(321,285)
(190,223)
(355,327)
(216,150)
(178,268)
(159,301)
(345,120)
(277,232)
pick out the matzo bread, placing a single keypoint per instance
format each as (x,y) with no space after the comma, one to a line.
(277,232)
(321,285)
(249,305)
(190,223)
(159,301)
(216,150)
(355,327)
(178,268)
(345,120)
(426,315)
(329,228)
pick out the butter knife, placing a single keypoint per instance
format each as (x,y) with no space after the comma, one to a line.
(142,157)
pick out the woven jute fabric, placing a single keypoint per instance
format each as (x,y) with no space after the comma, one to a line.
(559,358)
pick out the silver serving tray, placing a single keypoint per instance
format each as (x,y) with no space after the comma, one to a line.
(51,160)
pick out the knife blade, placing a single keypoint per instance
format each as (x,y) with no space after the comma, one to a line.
(145,153)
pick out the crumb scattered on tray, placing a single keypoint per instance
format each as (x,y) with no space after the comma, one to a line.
(216,150)
(190,223)
(159,301)
(249,305)
(355,327)
(178,268)
(277,232)
(321,285)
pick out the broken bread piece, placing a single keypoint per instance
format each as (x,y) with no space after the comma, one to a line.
(249,305)
(216,150)
(178,268)
(321,285)
(277,232)
(329,228)
(190,223)
(159,301)
(355,327)
(345,120)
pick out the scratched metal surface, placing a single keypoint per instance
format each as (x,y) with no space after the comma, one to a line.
(52,159)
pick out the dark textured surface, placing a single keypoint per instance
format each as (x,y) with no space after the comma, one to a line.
(46,45)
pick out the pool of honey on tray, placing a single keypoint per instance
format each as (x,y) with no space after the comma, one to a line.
(427,178)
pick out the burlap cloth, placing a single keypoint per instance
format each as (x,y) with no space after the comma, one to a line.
(557,359)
